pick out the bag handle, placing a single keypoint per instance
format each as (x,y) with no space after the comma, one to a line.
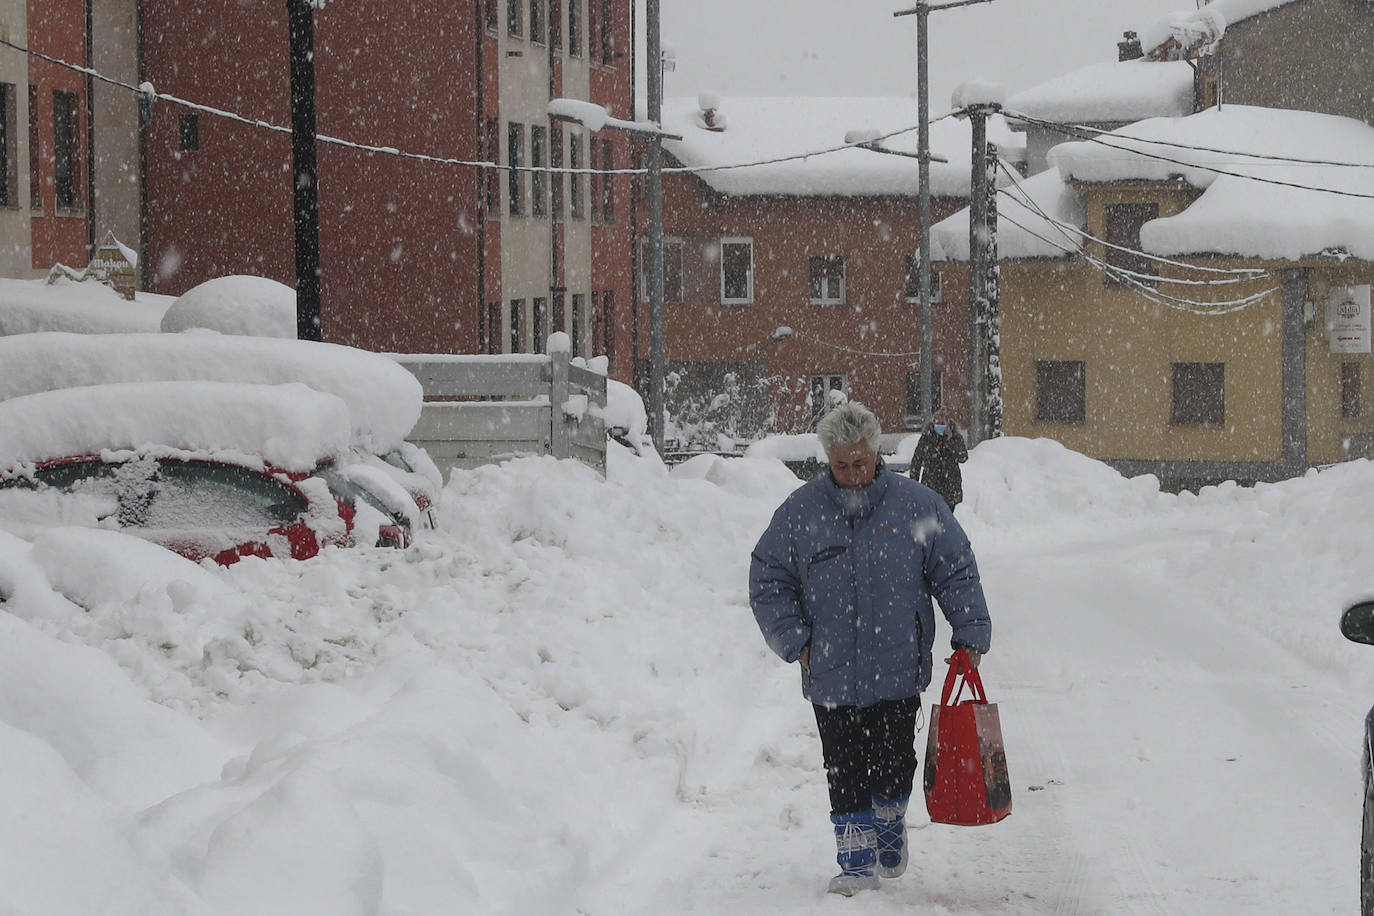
(961,664)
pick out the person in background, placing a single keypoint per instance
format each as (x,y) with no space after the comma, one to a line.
(936,459)
(842,582)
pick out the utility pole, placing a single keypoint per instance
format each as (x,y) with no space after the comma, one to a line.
(304,172)
(922,12)
(654,273)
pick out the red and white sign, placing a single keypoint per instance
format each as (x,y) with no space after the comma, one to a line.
(1347,319)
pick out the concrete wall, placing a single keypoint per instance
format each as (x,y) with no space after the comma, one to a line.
(16,247)
(117,175)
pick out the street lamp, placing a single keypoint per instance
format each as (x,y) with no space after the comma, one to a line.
(922,11)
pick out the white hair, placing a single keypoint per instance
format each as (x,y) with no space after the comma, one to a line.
(849,424)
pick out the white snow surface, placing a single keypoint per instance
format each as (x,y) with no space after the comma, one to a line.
(383,398)
(235,305)
(761,130)
(88,307)
(558,702)
(1112,92)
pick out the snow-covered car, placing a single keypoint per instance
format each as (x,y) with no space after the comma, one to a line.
(214,470)
(382,397)
(1357,625)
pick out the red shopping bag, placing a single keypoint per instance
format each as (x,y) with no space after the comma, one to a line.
(966,781)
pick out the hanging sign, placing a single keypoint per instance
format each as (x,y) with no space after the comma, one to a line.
(1347,319)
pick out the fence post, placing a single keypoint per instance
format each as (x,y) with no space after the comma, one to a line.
(558,396)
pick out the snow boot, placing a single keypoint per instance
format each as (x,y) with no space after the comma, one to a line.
(889,822)
(856,846)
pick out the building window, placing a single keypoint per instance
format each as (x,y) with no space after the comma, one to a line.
(537,21)
(556,176)
(608,326)
(514,23)
(489,329)
(607,185)
(1060,391)
(556,24)
(515,158)
(827,280)
(492,176)
(517,326)
(66,115)
(822,386)
(1350,391)
(493,14)
(190,132)
(1199,394)
(539,195)
(913,396)
(575,28)
(1123,244)
(539,323)
(913,282)
(576,329)
(575,164)
(35,175)
(672,270)
(607,35)
(9,182)
(737,271)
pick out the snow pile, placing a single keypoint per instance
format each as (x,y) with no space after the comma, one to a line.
(248,305)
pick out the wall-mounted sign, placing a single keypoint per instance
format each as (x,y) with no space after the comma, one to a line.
(1347,319)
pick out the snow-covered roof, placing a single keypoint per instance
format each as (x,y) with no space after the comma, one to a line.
(1191,29)
(763,129)
(1255,210)
(290,426)
(383,398)
(1118,92)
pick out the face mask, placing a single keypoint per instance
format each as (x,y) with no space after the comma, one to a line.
(940,429)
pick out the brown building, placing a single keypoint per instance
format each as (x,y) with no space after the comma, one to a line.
(821,245)
(416,256)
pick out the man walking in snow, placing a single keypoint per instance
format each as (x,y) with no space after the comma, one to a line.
(842,582)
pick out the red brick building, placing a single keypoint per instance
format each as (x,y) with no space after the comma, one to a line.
(824,245)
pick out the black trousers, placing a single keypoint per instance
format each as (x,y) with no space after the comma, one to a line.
(868,751)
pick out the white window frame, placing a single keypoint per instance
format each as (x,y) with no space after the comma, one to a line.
(826,378)
(749,275)
(825,298)
(913,293)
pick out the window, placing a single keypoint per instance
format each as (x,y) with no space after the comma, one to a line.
(672,270)
(1199,394)
(556,176)
(607,36)
(821,388)
(66,114)
(1123,242)
(607,186)
(493,14)
(35,181)
(539,324)
(539,195)
(736,271)
(575,163)
(9,184)
(556,24)
(515,156)
(1350,391)
(517,326)
(1059,391)
(489,329)
(575,28)
(913,281)
(492,177)
(608,326)
(579,317)
(827,280)
(537,33)
(190,132)
(514,24)
(913,396)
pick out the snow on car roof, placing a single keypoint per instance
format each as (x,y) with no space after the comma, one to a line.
(383,398)
(290,426)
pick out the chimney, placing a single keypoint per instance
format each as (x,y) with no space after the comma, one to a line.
(1129,48)
(710,114)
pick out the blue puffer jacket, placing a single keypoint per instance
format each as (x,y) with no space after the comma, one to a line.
(852,572)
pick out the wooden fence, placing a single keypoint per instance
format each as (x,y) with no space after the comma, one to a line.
(483,409)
